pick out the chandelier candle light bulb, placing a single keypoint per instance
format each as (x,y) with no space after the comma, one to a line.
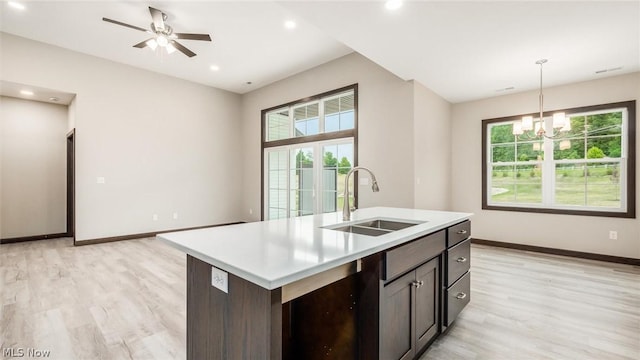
(558,120)
(527,123)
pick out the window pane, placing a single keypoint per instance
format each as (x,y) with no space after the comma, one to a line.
(530,150)
(338,160)
(603,185)
(570,184)
(502,134)
(604,124)
(339,112)
(306,120)
(567,149)
(503,153)
(301,182)
(604,147)
(278,125)
(528,180)
(277,183)
(577,127)
(502,184)
(517,184)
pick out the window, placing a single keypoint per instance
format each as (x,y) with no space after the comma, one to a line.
(590,170)
(308,148)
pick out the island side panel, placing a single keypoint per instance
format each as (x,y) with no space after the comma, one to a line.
(245,323)
(369,310)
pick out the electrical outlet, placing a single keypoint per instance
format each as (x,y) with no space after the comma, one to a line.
(613,235)
(250,211)
(155,217)
(100,180)
(219,279)
(175,216)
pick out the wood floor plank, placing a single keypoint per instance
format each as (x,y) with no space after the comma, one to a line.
(126,300)
(538,306)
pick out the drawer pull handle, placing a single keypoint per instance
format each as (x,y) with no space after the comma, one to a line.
(461,259)
(417,284)
(461,296)
(462,232)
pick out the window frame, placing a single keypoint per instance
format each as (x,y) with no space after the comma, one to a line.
(628,163)
(309,139)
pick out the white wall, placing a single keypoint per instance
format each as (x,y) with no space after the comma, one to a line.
(432,141)
(571,232)
(33,185)
(162,144)
(385,120)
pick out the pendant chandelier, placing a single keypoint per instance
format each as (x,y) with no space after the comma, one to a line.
(530,128)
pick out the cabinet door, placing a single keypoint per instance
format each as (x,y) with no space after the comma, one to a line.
(397,333)
(427,304)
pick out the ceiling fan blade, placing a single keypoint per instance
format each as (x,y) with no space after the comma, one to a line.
(157,17)
(142,44)
(183,49)
(125,25)
(203,37)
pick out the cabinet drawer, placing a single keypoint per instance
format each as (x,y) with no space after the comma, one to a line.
(408,256)
(458,261)
(457,233)
(458,296)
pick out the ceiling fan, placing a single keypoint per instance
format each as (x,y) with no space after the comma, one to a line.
(163,34)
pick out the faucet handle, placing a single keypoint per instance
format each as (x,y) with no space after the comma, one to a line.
(353,208)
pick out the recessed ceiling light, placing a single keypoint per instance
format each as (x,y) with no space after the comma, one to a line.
(54,99)
(509,88)
(26,92)
(607,70)
(214,67)
(16,5)
(393,4)
(290,24)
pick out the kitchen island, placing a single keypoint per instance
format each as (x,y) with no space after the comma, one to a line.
(300,288)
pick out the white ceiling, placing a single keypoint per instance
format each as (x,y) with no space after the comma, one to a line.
(461,50)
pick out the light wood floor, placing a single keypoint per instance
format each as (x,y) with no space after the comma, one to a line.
(126,300)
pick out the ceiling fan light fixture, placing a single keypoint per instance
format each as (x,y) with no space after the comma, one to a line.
(153,44)
(163,35)
(162,40)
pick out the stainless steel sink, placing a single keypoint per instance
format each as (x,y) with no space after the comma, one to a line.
(362,230)
(374,227)
(385,224)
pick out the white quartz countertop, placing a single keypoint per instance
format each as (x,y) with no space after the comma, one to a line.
(278,252)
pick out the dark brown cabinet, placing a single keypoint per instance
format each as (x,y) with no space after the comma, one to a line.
(457,286)
(409,312)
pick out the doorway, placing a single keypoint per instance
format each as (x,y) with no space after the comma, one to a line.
(71,185)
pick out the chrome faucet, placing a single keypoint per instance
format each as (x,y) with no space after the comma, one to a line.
(346,208)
